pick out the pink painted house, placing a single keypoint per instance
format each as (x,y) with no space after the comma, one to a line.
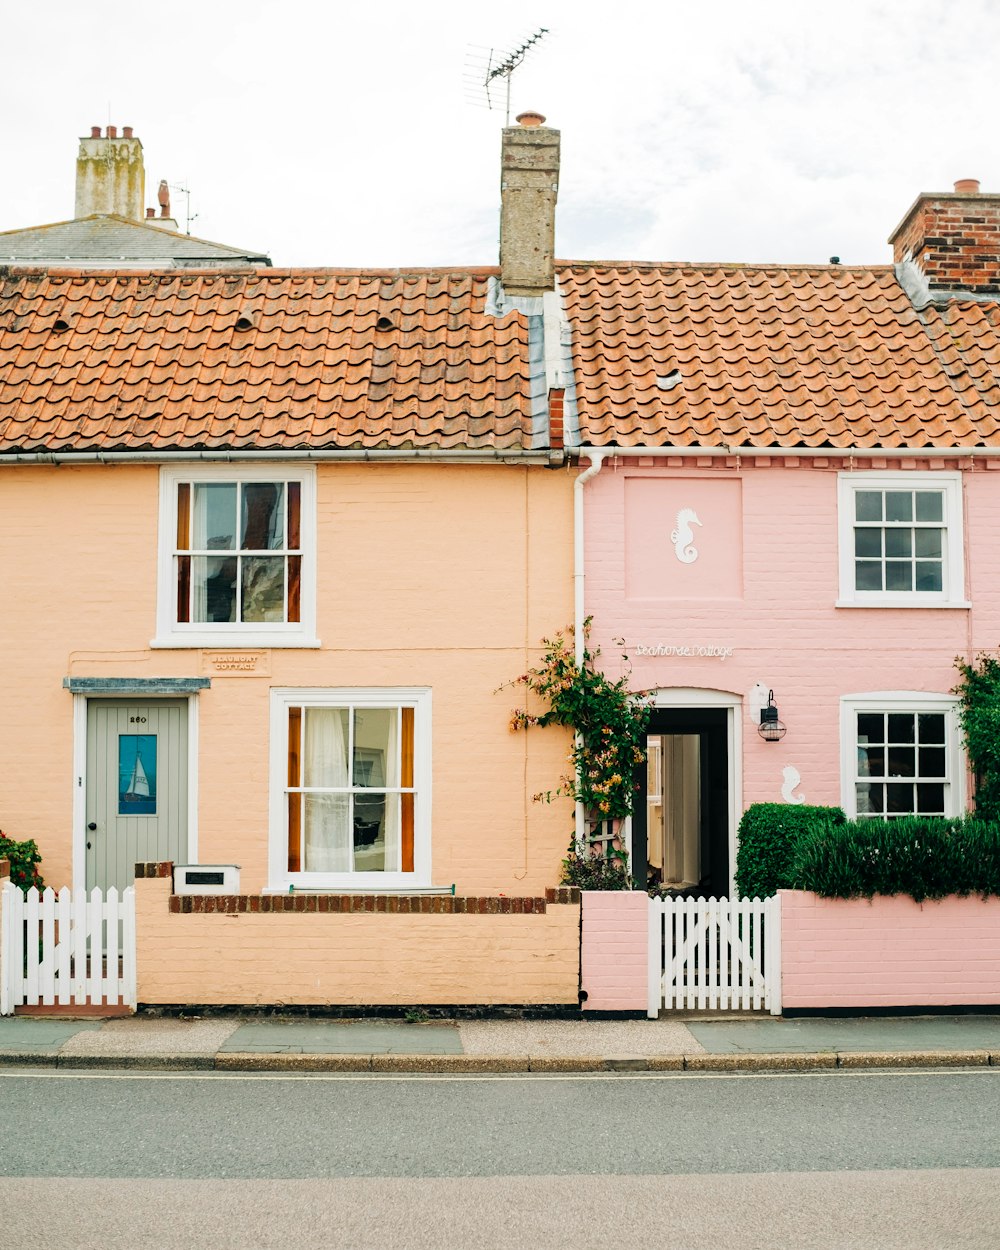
(788,510)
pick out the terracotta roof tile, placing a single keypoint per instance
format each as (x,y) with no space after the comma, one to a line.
(777,356)
(156,361)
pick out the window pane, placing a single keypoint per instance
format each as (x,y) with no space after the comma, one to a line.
(932,762)
(294,588)
(263,588)
(898,543)
(870,799)
(901,727)
(214,516)
(294,492)
(930,799)
(263,520)
(898,575)
(930,505)
(898,505)
(327,832)
(871,762)
(326,738)
(213,588)
(868,575)
(374,820)
(183,516)
(929,575)
(899,798)
(871,727)
(931,727)
(927,544)
(376,747)
(902,762)
(868,542)
(183,588)
(868,505)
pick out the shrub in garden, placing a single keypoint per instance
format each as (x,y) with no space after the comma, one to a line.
(922,856)
(23,856)
(768,836)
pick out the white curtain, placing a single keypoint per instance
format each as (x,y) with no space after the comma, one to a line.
(328,836)
(682,808)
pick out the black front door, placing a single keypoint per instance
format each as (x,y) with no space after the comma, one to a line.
(680,822)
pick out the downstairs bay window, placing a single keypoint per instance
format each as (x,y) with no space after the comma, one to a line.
(350,786)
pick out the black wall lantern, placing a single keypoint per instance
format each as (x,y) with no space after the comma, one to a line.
(770,728)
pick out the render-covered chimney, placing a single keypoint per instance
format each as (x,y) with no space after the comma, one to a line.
(952,240)
(109,174)
(528,189)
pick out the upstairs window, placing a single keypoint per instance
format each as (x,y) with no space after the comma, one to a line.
(237,557)
(901,540)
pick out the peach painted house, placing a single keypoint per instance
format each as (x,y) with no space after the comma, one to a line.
(792,487)
(272,541)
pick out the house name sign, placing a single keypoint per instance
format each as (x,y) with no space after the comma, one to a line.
(236,663)
(695,651)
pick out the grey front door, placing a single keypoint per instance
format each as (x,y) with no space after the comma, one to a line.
(137,782)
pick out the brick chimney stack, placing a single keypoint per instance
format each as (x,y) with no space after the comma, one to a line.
(952,240)
(528,189)
(109,174)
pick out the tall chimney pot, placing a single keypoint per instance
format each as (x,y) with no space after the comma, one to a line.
(95,132)
(126,132)
(529,186)
(112,132)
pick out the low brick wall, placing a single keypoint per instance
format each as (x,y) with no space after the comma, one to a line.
(614,946)
(353,950)
(888,952)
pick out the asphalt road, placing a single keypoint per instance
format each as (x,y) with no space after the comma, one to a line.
(835,1160)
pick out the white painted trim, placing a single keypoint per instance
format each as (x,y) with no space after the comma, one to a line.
(903,701)
(169,634)
(282,698)
(953,593)
(79,779)
(700,700)
(79,791)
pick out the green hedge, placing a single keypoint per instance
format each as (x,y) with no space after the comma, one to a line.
(925,857)
(24,857)
(768,836)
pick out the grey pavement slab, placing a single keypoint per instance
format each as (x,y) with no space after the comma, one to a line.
(41,1034)
(917,1033)
(569,1038)
(339,1037)
(139,1035)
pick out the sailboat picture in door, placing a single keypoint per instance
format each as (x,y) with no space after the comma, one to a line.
(136,774)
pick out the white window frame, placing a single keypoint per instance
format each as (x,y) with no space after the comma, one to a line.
(952,593)
(172,633)
(280,880)
(909,701)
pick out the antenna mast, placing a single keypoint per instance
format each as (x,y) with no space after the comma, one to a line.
(188,217)
(505,68)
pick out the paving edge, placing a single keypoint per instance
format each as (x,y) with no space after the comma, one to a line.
(256,1061)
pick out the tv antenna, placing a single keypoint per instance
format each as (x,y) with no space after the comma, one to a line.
(188,216)
(498,67)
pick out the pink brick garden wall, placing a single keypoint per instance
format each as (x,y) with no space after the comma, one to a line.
(889,952)
(613,957)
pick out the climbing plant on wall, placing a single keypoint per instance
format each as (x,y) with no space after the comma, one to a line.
(979,716)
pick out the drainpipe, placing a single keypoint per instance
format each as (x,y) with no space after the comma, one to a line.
(596,459)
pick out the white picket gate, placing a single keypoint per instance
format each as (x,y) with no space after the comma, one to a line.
(715,954)
(67,948)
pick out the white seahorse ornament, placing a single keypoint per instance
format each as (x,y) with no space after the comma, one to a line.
(683,536)
(792,777)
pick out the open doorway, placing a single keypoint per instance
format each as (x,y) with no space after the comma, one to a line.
(682,811)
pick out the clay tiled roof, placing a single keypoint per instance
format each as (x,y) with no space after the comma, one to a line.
(258,359)
(826,356)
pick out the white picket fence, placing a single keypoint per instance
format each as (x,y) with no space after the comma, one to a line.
(67,948)
(715,954)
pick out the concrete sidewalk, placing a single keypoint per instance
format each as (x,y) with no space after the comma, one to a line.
(678,1043)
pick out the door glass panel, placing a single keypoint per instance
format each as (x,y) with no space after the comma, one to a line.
(136,774)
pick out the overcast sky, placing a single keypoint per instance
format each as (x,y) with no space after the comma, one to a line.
(340,134)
